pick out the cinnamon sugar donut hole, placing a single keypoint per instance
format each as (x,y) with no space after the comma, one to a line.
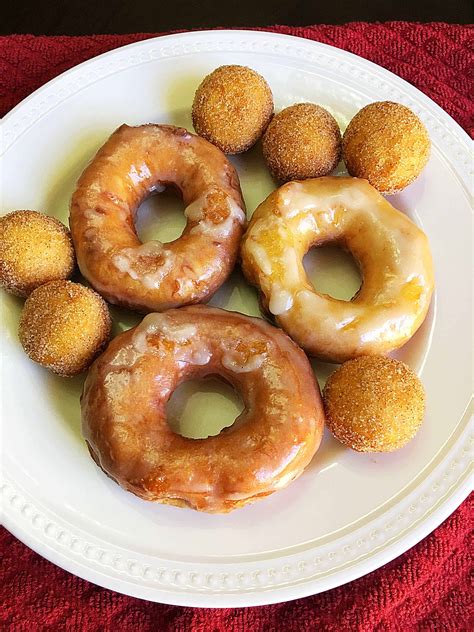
(374,404)
(34,249)
(302,141)
(64,326)
(232,108)
(387,144)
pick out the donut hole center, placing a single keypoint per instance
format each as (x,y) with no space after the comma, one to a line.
(333,271)
(203,407)
(161,217)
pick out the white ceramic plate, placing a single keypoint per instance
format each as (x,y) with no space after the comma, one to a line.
(349,513)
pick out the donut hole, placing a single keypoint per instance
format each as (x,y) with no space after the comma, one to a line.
(333,271)
(161,217)
(201,408)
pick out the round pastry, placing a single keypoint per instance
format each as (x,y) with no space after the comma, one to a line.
(374,404)
(64,326)
(269,445)
(302,141)
(392,252)
(232,107)
(34,249)
(387,144)
(133,163)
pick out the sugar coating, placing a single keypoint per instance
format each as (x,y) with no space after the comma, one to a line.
(232,107)
(34,249)
(374,404)
(64,326)
(387,144)
(302,141)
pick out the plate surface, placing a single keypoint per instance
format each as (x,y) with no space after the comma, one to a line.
(348,513)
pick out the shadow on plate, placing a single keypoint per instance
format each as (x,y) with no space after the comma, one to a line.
(255,179)
(237,295)
(11,311)
(68,170)
(415,351)
(280,503)
(406,201)
(329,453)
(65,393)
(179,99)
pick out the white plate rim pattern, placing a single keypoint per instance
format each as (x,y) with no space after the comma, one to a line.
(270,580)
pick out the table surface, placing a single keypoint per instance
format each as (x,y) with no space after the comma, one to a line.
(82,17)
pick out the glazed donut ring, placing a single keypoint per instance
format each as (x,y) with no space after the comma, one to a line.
(270,443)
(393,254)
(134,162)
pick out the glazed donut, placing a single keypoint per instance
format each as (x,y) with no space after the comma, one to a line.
(270,443)
(133,163)
(392,252)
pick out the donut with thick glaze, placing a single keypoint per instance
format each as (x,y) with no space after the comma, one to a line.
(133,163)
(270,443)
(392,252)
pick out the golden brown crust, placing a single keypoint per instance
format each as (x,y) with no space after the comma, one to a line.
(387,144)
(34,249)
(374,404)
(302,141)
(64,326)
(232,108)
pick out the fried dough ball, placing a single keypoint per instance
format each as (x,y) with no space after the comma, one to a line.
(34,249)
(232,108)
(374,404)
(64,326)
(387,144)
(302,141)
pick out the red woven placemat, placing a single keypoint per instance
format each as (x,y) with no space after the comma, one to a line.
(427,588)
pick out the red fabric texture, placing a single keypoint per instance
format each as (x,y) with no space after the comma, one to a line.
(436,58)
(427,588)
